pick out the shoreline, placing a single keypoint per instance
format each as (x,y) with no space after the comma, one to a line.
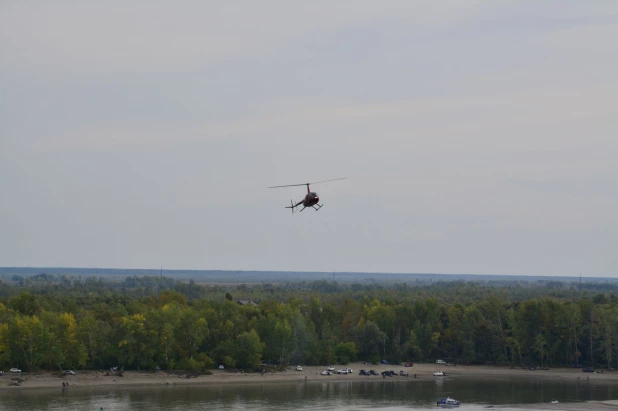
(422,372)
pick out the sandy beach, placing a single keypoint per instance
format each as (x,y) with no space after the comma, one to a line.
(47,379)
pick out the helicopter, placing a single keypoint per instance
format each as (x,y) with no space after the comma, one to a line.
(311,199)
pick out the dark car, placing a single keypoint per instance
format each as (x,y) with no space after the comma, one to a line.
(383,362)
(588,369)
(373,372)
(363,372)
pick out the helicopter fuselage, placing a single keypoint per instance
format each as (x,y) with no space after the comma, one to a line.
(311,199)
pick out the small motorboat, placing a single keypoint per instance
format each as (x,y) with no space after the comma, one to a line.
(438,374)
(448,402)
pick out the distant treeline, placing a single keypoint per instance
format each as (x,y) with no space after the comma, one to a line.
(237,277)
(50,321)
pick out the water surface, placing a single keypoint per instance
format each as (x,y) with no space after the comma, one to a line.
(475,394)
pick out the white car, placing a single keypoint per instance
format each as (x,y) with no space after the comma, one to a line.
(331,368)
(15,370)
(344,371)
(68,372)
(221,367)
(438,374)
(326,373)
(440,362)
(299,368)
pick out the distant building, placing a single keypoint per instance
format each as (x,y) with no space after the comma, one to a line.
(246,302)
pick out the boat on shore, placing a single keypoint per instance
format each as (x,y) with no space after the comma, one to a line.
(448,402)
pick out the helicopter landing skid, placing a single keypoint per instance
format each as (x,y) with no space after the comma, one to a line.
(318,208)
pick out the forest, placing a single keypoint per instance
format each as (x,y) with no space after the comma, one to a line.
(57,322)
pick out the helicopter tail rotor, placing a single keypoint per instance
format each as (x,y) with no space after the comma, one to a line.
(292,206)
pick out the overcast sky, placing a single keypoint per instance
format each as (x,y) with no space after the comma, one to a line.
(477,136)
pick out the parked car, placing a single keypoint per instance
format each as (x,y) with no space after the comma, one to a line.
(299,368)
(68,372)
(15,370)
(373,372)
(221,367)
(1,372)
(343,371)
(383,362)
(363,372)
(326,373)
(440,362)
(389,373)
(403,373)
(588,369)
(331,368)
(438,374)
(409,364)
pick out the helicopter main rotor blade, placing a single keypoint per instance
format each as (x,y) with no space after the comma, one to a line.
(306,184)
(290,185)
(326,181)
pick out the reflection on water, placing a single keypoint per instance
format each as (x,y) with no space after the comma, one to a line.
(391,394)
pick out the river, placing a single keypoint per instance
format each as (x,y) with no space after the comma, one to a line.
(475,394)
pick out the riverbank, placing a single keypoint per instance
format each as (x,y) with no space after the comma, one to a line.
(309,374)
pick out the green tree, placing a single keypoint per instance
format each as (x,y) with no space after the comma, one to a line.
(369,339)
(249,349)
(346,352)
